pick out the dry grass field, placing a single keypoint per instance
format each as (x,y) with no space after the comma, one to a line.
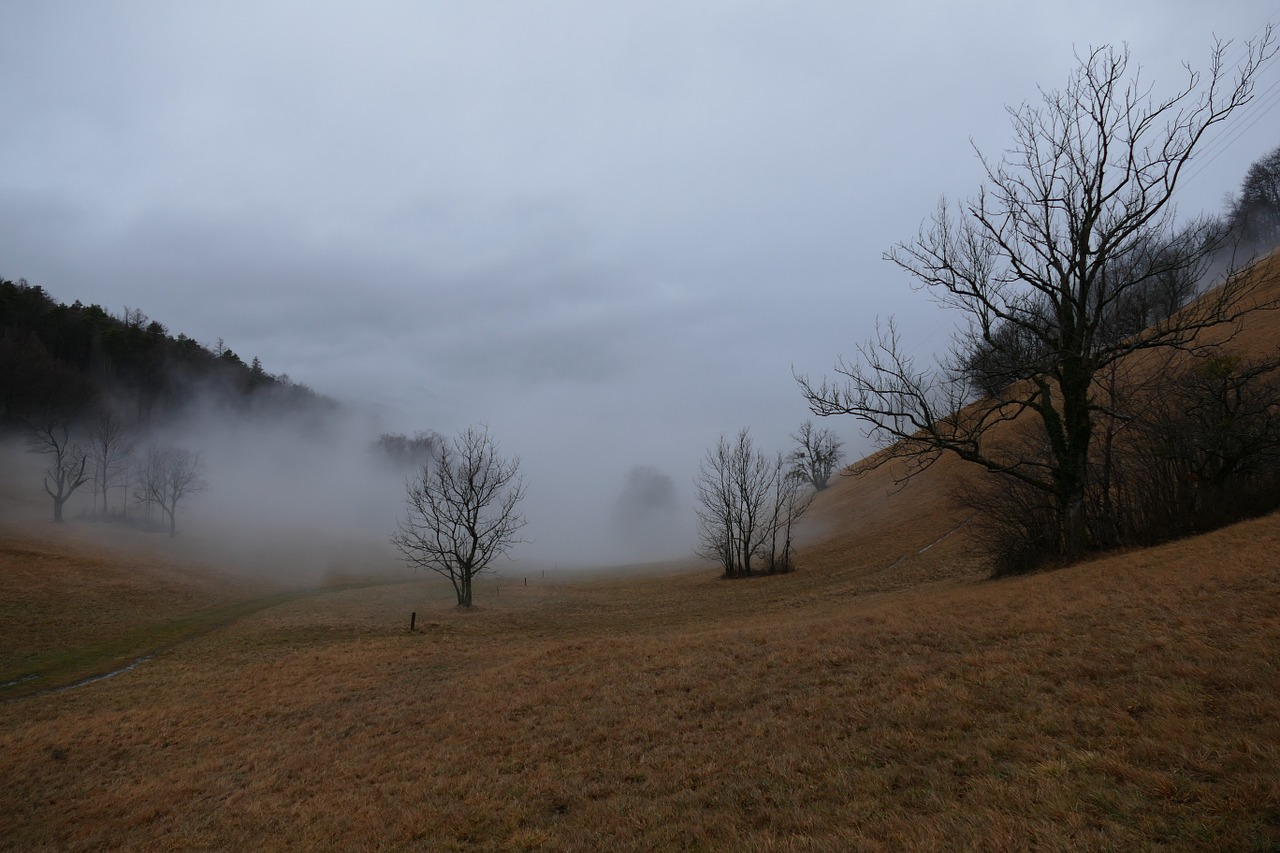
(886,696)
(864,702)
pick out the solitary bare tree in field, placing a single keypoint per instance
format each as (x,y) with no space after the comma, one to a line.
(462,510)
(1074,227)
(67,460)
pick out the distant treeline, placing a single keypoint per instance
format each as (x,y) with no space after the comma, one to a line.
(1253,215)
(75,359)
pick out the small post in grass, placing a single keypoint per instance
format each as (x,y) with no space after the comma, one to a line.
(413,619)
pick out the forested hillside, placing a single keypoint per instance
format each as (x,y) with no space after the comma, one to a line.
(71,359)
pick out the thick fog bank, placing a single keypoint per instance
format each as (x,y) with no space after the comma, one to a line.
(313,500)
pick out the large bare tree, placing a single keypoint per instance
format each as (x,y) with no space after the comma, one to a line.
(67,460)
(1073,221)
(462,510)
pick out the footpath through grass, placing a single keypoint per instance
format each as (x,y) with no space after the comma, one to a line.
(65,667)
(68,667)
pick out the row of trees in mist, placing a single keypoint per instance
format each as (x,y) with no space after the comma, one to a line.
(462,503)
(107,458)
(749,501)
(1094,388)
(91,391)
(1094,382)
(401,452)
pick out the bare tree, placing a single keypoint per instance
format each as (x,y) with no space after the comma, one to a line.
(67,460)
(109,448)
(1074,219)
(166,477)
(748,506)
(646,509)
(462,510)
(790,500)
(816,456)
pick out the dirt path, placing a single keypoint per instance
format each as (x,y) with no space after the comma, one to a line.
(70,669)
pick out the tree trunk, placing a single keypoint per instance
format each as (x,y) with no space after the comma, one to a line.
(1071,449)
(1072,528)
(57,510)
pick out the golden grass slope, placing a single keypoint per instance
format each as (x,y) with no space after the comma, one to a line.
(1127,703)
(74,607)
(884,697)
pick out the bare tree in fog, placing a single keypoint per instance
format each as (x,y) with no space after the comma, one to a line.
(790,500)
(1074,219)
(67,460)
(645,512)
(109,448)
(462,510)
(748,506)
(816,456)
(168,475)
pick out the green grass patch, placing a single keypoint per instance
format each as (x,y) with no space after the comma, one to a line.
(65,667)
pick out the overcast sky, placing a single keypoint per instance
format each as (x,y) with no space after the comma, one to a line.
(608,230)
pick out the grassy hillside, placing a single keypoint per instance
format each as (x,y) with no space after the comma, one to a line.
(886,696)
(1127,703)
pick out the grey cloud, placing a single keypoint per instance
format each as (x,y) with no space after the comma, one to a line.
(608,229)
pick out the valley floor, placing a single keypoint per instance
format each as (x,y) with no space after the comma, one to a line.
(885,699)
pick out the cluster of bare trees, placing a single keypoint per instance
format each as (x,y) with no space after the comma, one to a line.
(1199,447)
(748,506)
(1189,444)
(402,452)
(110,445)
(1074,275)
(463,504)
(167,475)
(104,456)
